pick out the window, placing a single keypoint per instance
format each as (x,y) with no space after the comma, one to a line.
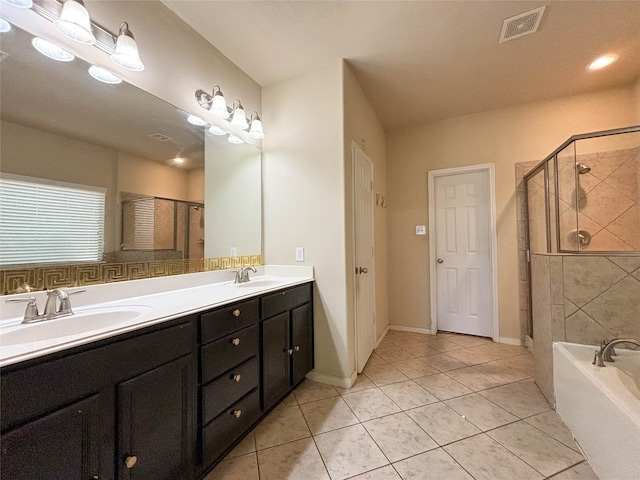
(44,221)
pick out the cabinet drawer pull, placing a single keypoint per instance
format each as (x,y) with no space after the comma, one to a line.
(236,341)
(236,377)
(130,461)
(290,351)
(297,348)
(236,312)
(236,413)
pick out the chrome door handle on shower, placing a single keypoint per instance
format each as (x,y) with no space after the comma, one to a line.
(440,260)
(362,270)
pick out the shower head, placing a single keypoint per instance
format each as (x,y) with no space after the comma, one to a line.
(582,168)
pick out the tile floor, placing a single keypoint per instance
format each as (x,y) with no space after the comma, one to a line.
(450,406)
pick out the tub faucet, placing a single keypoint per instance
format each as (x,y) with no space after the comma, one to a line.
(607,349)
(242,275)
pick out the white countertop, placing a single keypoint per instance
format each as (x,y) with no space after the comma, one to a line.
(148,301)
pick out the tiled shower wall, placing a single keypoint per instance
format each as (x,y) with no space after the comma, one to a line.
(581,299)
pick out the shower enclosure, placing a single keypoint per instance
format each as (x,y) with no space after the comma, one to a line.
(584,197)
(155,228)
(581,262)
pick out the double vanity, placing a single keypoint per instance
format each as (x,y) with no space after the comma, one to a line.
(157,386)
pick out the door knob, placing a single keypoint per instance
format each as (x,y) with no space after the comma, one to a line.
(363,270)
(440,260)
(130,461)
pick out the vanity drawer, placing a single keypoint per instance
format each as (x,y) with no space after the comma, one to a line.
(226,428)
(227,319)
(285,300)
(222,355)
(228,388)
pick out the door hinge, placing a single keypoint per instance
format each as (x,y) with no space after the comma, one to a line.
(528,256)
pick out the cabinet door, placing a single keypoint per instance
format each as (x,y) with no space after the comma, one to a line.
(275,367)
(63,444)
(301,342)
(155,425)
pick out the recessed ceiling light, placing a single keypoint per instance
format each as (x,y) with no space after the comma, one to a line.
(103,75)
(4,25)
(603,61)
(52,50)
(193,120)
(178,160)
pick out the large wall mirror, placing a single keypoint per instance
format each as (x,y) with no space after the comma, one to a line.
(62,126)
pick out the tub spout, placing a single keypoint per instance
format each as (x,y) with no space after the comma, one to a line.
(606,349)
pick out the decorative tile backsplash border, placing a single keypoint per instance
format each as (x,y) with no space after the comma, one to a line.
(41,278)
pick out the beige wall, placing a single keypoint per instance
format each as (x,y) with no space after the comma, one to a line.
(304,200)
(503,137)
(362,126)
(146,177)
(195,185)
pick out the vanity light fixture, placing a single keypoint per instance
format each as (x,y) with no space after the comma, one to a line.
(74,22)
(19,3)
(215,130)
(256,127)
(104,76)
(51,50)
(197,121)
(238,119)
(126,54)
(235,140)
(218,104)
(4,25)
(603,61)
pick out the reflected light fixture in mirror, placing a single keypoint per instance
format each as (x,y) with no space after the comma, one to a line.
(4,25)
(126,54)
(197,121)
(103,75)
(19,3)
(603,61)
(214,130)
(74,22)
(235,140)
(51,50)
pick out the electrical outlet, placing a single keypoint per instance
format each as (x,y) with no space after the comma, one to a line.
(299,254)
(233,252)
(421,230)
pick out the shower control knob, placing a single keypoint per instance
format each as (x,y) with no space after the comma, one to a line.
(440,260)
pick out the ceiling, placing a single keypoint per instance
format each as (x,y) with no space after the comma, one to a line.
(421,61)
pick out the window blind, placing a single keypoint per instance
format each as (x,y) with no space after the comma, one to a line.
(43,221)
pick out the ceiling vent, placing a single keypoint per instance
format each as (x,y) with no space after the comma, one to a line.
(521,25)
(160,136)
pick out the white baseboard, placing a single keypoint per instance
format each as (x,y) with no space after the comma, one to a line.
(381,337)
(332,380)
(402,328)
(511,341)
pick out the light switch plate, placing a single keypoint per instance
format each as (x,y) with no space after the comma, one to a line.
(299,254)
(421,230)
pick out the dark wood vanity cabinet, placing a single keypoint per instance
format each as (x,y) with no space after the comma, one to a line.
(166,402)
(123,408)
(287,341)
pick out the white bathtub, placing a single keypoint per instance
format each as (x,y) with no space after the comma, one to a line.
(601,407)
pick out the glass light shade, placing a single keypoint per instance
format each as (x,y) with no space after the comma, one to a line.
(193,120)
(239,119)
(74,22)
(256,129)
(103,75)
(4,25)
(126,54)
(219,106)
(20,3)
(215,130)
(235,140)
(51,50)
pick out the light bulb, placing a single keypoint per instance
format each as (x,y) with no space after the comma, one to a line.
(74,22)
(51,50)
(19,3)
(603,61)
(193,120)
(239,119)
(256,129)
(103,75)
(126,53)
(215,130)
(219,106)
(4,25)
(235,140)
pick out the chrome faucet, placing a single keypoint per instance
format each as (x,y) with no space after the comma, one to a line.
(607,350)
(242,275)
(51,308)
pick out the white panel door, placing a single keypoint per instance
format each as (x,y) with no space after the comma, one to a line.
(365,303)
(463,271)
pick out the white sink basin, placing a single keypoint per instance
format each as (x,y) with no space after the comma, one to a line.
(79,324)
(258,283)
